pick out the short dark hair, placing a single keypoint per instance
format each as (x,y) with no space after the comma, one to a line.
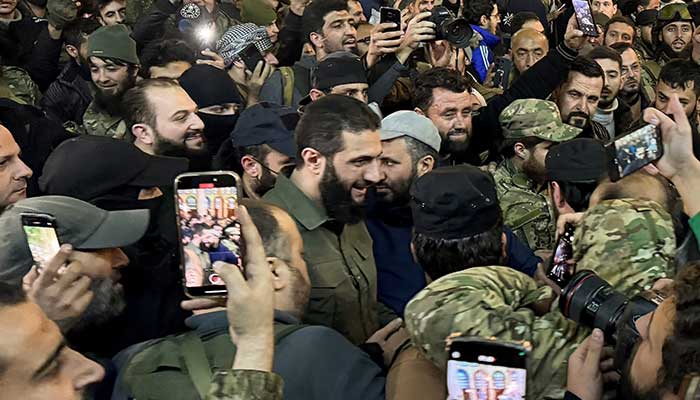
(577,194)
(76,32)
(10,295)
(520,18)
(262,214)
(314,13)
(621,47)
(136,106)
(586,67)
(162,52)
(440,257)
(325,120)
(100,4)
(620,19)
(258,152)
(434,78)
(475,9)
(677,73)
(418,150)
(605,53)
(507,147)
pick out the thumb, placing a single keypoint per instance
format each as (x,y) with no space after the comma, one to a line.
(595,349)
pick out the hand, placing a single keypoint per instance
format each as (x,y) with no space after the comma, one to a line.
(573,218)
(383,42)
(418,31)
(440,53)
(662,284)
(215,61)
(555,14)
(61,290)
(256,79)
(390,338)
(541,279)
(585,379)
(298,6)
(250,304)
(61,12)
(573,37)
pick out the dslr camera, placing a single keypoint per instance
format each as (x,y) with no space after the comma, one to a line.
(455,30)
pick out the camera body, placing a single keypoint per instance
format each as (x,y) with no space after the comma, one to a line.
(455,30)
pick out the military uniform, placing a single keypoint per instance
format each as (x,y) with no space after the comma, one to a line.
(341,267)
(16,85)
(526,209)
(627,242)
(100,123)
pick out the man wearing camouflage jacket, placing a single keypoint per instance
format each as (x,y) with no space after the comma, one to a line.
(629,243)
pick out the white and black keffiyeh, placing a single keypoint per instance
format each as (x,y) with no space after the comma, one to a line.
(238,37)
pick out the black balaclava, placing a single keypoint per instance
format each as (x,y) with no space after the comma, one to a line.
(210,86)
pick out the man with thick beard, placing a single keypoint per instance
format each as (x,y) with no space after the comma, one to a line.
(163,120)
(530,127)
(114,65)
(338,160)
(673,33)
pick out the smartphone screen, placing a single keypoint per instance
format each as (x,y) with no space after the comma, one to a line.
(480,369)
(561,270)
(501,74)
(633,151)
(584,16)
(251,57)
(209,229)
(388,14)
(42,240)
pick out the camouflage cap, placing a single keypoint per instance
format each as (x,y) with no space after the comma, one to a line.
(535,118)
(628,242)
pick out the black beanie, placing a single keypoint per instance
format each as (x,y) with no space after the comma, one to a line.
(209,86)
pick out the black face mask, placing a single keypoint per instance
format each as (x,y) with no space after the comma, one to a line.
(84,71)
(217,128)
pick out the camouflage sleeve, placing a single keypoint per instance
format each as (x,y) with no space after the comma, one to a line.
(483,301)
(245,385)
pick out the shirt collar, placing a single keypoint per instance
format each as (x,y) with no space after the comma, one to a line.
(300,206)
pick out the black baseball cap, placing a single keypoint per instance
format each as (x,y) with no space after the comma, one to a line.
(454,202)
(579,160)
(267,123)
(87,167)
(340,68)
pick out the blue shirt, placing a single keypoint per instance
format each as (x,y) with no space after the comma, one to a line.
(222,253)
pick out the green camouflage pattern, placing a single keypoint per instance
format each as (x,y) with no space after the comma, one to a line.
(495,302)
(535,118)
(629,243)
(16,85)
(245,385)
(136,9)
(99,123)
(526,210)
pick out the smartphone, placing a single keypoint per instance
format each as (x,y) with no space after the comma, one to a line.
(387,15)
(501,72)
(633,151)
(486,369)
(584,16)
(251,57)
(560,270)
(40,230)
(206,207)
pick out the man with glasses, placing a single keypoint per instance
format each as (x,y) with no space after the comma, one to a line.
(484,17)
(635,91)
(673,33)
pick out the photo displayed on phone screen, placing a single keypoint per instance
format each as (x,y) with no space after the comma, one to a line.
(637,149)
(562,269)
(41,239)
(584,16)
(209,231)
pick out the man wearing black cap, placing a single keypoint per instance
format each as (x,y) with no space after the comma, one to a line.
(261,146)
(339,73)
(644,43)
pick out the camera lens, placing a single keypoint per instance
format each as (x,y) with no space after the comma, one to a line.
(455,30)
(591,301)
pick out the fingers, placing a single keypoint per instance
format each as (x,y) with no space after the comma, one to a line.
(232,276)
(379,28)
(611,377)
(259,68)
(50,273)
(574,218)
(256,260)
(678,113)
(390,328)
(29,279)
(595,349)
(77,289)
(202,304)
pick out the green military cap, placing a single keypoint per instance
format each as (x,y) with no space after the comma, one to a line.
(257,12)
(535,118)
(113,42)
(628,242)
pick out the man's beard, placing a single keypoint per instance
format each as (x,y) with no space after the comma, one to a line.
(453,147)
(605,103)
(533,170)
(629,94)
(337,199)
(333,49)
(111,103)
(683,54)
(399,194)
(108,303)
(578,119)
(300,292)
(163,146)
(265,182)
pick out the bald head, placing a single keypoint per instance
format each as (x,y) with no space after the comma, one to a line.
(528,47)
(14,173)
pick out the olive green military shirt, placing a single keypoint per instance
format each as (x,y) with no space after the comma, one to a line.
(526,211)
(16,85)
(100,123)
(341,267)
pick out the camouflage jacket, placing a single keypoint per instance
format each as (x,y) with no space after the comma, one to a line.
(16,85)
(99,123)
(527,212)
(245,385)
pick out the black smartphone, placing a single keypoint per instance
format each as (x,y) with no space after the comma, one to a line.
(251,57)
(501,72)
(40,230)
(560,269)
(387,15)
(584,16)
(633,151)
(206,206)
(486,369)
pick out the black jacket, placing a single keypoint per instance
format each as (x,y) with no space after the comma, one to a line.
(27,44)
(68,96)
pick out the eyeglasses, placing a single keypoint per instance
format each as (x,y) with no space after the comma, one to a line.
(674,11)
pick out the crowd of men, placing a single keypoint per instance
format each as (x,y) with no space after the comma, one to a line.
(400,186)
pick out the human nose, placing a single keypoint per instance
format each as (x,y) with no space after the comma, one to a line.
(23,171)
(119,259)
(374,173)
(197,123)
(86,371)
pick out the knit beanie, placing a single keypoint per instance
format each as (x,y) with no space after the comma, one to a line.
(113,42)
